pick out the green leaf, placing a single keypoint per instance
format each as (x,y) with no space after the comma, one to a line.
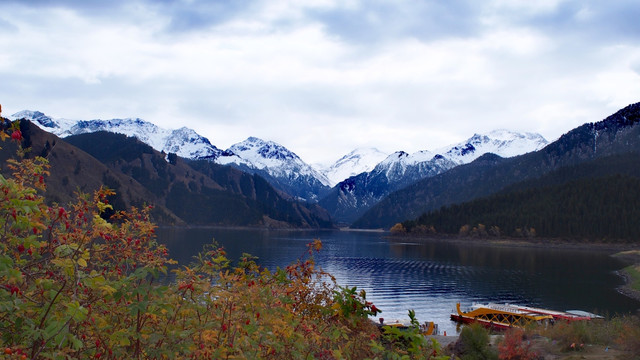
(76,343)
(13,276)
(76,311)
(52,328)
(120,337)
(108,289)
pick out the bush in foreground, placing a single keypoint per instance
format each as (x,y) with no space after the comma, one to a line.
(474,344)
(76,283)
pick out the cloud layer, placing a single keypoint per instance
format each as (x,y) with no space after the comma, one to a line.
(323,77)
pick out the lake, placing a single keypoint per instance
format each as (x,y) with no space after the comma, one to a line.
(429,277)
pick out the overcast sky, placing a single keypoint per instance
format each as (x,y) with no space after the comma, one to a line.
(322,77)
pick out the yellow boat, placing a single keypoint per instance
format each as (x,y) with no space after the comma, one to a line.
(500,316)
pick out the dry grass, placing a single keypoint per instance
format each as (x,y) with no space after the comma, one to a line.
(616,338)
(633,272)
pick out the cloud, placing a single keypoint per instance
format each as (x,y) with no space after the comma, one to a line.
(324,76)
(584,22)
(379,21)
(201,14)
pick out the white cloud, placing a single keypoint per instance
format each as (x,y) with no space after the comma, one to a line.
(326,76)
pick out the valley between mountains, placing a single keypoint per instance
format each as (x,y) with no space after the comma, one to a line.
(260,183)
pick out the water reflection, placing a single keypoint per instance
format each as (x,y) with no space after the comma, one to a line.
(429,277)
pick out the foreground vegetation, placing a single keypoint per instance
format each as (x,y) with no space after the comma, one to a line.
(83,281)
(616,338)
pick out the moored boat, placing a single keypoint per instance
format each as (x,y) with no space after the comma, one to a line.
(569,315)
(505,316)
(499,316)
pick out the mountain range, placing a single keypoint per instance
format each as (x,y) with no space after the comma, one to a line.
(182,191)
(375,193)
(349,199)
(281,167)
(359,179)
(618,134)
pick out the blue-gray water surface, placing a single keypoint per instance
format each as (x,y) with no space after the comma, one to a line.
(429,277)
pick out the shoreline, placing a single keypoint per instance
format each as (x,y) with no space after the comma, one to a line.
(558,243)
(626,289)
(633,258)
(628,253)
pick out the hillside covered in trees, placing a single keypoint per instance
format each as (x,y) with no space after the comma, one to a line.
(181,191)
(571,203)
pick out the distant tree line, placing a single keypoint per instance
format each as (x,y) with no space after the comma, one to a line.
(602,209)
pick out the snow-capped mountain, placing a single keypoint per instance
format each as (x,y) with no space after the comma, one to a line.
(353,196)
(402,168)
(501,142)
(270,155)
(356,162)
(279,165)
(184,142)
(592,150)
(364,184)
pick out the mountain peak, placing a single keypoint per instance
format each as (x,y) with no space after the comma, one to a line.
(502,142)
(35,116)
(358,161)
(273,160)
(184,142)
(266,150)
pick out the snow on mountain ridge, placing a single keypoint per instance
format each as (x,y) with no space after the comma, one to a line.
(356,162)
(504,143)
(184,142)
(284,168)
(34,115)
(275,159)
(279,162)
(354,196)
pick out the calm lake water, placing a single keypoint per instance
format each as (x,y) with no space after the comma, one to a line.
(429,277)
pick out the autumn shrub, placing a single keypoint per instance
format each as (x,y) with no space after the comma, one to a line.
(473,343)
(250,312)
(73,285)
(398,228)
(628,337)
(619,331)
(408,342)
(568,335)
(76,283)
(516,346)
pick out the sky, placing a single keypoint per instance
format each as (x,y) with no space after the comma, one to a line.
(324,77)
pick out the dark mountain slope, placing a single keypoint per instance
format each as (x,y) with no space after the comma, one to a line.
(594,200)
(617,134)
(199,192)
(72,170)
(277,204)
(349,199)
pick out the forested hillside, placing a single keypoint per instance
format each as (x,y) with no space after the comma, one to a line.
(599,200)
(179,193)
(200,192)
(73,170)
